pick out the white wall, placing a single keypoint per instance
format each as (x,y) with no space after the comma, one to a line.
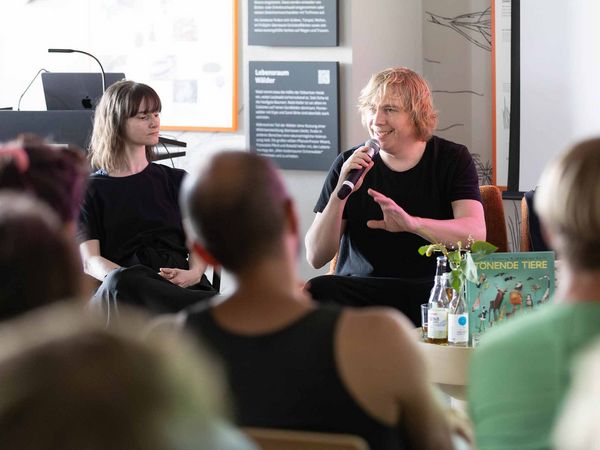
(387,33)
(560,73)
(371,37)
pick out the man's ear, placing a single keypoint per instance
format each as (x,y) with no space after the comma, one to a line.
(204,254)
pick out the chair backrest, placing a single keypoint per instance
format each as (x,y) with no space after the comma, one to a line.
(525,241)
(275,439)
(532,237)
(495,223)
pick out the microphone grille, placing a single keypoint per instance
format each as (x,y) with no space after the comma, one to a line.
(374,144)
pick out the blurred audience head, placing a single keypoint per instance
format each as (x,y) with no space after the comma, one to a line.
(57,175)
(69,383)
(120,102)
(568,206)
(413,93)
(39,263)
(237,208)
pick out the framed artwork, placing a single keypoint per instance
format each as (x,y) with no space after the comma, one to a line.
(187,50)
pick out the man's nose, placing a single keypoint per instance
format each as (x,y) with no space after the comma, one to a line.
(379,116)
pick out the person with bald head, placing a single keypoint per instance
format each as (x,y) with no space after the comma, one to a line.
(293,363)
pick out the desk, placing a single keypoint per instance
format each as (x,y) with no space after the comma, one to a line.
(63,127)
(448,367)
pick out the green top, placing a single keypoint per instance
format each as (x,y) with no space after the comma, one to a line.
(521,373)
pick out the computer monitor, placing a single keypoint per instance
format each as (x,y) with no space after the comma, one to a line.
(75,90)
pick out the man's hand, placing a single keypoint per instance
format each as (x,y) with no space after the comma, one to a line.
(180,277)
(360,159)
(395,219)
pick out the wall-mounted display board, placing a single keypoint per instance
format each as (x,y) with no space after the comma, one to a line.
(501,49)
(293,23)
(294,113)
(186,50)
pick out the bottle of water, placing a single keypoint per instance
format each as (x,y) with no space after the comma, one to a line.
(437,314)
(458,321)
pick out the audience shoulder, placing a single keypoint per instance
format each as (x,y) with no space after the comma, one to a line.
(388,332)
(378,319)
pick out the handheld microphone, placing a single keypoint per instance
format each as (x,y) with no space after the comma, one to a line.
(355,174)
(70,50)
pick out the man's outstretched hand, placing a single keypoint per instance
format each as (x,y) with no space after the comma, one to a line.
(395,219)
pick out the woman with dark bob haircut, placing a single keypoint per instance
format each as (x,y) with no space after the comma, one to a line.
(130,230)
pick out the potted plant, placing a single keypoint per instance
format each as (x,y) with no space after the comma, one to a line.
(461,261)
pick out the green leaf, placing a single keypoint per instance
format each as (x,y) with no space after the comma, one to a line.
(454,258)
(456,280)
(429,249)
(482,248)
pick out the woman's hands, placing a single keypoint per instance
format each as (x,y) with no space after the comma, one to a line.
(181,277)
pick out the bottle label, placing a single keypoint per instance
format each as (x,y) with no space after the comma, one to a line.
(458,328)
(437,323)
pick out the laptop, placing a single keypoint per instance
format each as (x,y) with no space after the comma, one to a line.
(75,90)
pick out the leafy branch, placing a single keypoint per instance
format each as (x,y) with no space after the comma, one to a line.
(461,259)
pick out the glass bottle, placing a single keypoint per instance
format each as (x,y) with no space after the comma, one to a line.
(437,315)
(458,320)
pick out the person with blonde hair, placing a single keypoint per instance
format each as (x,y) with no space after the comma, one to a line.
(577,425)
(67,382)
(521,372)
(130,230)
(419,188)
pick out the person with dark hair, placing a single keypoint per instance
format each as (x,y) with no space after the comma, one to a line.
(521,372)
(293,363)
(130,230)
(39,263)
(68,382)
(536,238)
(418,189)
(41,187)
(56,175)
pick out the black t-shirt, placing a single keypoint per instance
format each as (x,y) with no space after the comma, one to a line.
(136,218)
(445,173)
